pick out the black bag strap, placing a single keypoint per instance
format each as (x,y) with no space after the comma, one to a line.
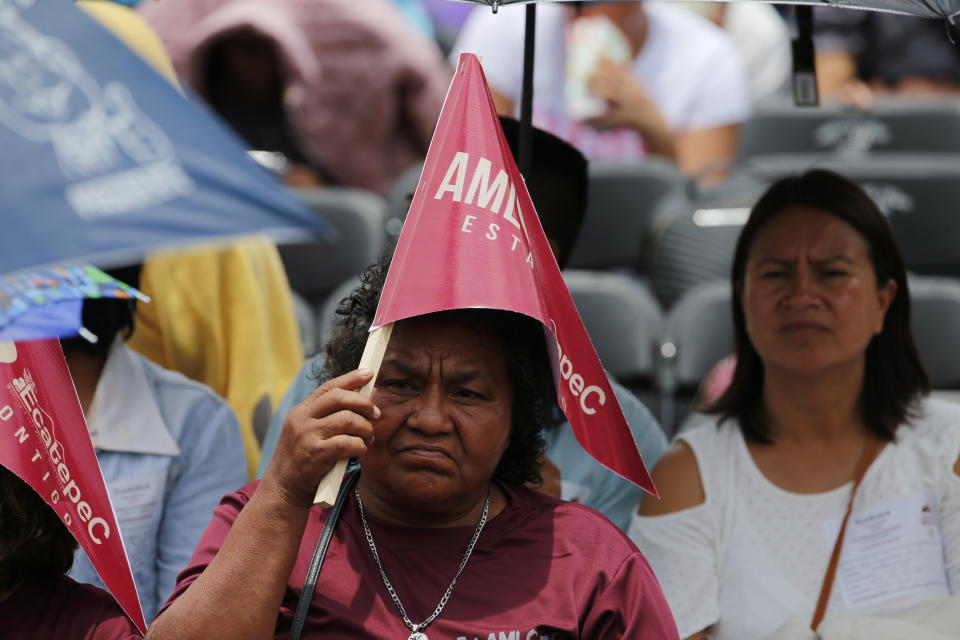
(319,554)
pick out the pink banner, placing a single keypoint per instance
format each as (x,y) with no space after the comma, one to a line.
(46,443)
(472,239)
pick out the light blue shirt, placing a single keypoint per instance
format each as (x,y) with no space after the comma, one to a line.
(588,482)
(169,449)
(584,480)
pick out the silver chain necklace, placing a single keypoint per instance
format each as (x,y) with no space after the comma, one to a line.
(415,628)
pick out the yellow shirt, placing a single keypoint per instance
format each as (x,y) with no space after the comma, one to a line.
(224,316)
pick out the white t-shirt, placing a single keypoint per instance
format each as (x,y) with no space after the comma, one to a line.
(690,68)
(763,40)
(753,556)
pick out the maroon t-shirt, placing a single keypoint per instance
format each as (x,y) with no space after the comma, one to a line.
(542,569)
(65,610)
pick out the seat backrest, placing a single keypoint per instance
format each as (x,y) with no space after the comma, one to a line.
(327,310)
(699,333)
(357,219)
(306,323)
(935,320)
(693,240)
(622,319)
(623,199)
(398,199)
(890,126)
(919,193)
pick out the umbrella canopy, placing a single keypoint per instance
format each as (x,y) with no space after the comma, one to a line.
(101,159)
(923,8)
(47,303)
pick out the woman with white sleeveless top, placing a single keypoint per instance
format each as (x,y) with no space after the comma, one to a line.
(827,412)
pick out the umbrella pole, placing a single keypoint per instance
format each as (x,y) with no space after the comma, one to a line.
(525,142)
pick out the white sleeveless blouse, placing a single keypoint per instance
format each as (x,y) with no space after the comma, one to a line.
(752,556)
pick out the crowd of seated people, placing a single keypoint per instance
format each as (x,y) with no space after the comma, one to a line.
(680,93)
(862,57)
(823,414)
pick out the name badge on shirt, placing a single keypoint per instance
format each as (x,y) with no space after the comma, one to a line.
(891,551)
(138,502)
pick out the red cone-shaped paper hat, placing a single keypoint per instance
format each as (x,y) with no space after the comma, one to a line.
(473,240)
(46,444)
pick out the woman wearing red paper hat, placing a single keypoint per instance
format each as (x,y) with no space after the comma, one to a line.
(438,538)
(37,599)
(827,488)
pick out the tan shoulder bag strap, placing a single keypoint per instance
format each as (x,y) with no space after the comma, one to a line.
(870,450)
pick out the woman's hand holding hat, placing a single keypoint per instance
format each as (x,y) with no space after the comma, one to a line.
(334,423)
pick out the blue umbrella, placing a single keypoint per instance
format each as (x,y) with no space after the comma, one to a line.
(102,160)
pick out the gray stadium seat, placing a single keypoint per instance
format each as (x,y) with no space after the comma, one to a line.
(327,311)
(893,126)
(693,239)
(398,199)
(700,327)
(306,323)
(358,219)
(698,334)
(622,319)
(622,201)
(935,318)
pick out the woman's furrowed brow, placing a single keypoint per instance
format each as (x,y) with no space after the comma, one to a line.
(784,262)
(840,257)
(466,373)
(772,261)
(401,364)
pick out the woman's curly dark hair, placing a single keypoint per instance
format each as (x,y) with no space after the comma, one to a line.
(34,544)
(520,337)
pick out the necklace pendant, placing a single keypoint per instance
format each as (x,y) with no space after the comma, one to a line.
(416,635)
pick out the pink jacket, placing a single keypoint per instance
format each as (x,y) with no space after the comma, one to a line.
(363,89)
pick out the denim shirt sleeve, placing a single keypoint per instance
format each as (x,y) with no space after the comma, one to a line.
(587,481)
(211,465)
(177,493)
(614,496)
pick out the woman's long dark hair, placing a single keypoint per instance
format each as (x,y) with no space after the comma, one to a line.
(894,377)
